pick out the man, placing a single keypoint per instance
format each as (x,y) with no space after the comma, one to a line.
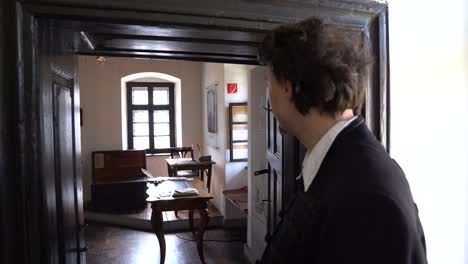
(356,206)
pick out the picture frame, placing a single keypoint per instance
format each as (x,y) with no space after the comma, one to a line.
(211,107)
(211,116)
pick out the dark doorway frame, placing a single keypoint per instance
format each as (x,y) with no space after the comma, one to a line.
(23,205)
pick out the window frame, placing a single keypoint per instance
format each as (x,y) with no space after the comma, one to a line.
(231,128)
(150,108)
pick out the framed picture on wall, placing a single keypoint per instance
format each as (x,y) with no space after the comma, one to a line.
(211,109)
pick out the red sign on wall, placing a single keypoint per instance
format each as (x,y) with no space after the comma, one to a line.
(232,88)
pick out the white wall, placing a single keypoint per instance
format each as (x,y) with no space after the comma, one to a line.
(236,176)
(213,73)
(226,175)
(429,116)
(236,173)
(100,91)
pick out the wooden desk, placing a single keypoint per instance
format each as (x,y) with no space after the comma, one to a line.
(173,165)
(169,203)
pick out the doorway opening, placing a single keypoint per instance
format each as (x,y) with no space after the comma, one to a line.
(104,101)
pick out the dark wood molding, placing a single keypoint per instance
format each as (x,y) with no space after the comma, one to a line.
(254,14)
(175,39)
(377,108)
(385,79)
(12,242)
(61,73)
(251,60)
(30,196)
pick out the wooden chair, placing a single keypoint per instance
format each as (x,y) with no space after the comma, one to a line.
(182,153)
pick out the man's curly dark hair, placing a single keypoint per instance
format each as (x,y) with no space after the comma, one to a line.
(325,68)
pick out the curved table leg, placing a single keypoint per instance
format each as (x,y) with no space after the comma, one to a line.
(191,221)
(208,174)
(201,231)
(157,224)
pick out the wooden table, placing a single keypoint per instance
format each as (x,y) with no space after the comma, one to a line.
(160,204)
(174,165)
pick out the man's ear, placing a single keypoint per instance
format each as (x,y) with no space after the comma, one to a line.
(288,89)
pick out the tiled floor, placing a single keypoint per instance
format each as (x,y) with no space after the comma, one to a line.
(116,245)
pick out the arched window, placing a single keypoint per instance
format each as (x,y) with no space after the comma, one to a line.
(150,115)
(151,111)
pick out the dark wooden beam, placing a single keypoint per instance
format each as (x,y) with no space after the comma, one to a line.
(249,60)
(165,31)
(230,40)
(176,46)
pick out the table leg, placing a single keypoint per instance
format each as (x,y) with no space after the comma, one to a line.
(209,178)
(157,224)
(174,173)
(201,231)
(169,171)
(191,221)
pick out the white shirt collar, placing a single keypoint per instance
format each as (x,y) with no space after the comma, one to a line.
(314,157)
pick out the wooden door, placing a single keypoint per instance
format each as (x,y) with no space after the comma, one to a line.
(281,168)
(258,185)
(275,173)
(65,177)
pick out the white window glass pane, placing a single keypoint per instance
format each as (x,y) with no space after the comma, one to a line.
(161,96)
(240,151)
(239,132)
(140,142)
(140,129)
(161,116)
(239,113)
(139,95)
(140,116)
(162,142)
(161,129)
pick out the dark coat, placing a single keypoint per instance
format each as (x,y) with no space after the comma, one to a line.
(358,209)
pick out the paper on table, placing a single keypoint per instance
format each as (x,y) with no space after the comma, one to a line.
(185,192)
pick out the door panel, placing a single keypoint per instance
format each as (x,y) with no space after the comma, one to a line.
(65,177)
(258,183)
(275,175)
